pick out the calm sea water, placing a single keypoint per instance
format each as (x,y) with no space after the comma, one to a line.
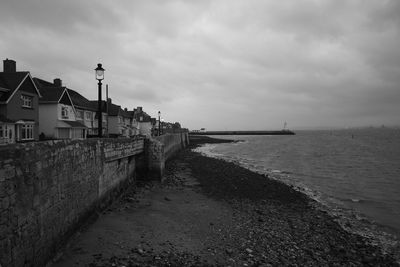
(346,170)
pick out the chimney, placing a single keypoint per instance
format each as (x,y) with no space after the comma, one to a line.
(109,102)
(139,109)
(57,82)
(125,109)
(9,66)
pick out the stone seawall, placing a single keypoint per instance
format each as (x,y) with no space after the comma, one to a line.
(160,149)
(48,188)
(173,143)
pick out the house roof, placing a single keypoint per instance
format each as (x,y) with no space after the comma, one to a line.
(80,101)
(56,94)
(51,94)
(114,110)
(11,81)
(94,104)
(42,83)
(126,114)
(139,113)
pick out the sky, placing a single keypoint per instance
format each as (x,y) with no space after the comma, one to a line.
(219,64)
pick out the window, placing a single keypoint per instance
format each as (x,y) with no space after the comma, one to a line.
(26,101)
(78,133)
(63,133)
(79,114)
(3,131)
(64,112)
(27,132)
(89,116)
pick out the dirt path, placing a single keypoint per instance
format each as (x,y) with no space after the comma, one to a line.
(152,224)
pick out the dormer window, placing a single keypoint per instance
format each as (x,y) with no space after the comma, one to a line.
(64,112)
(26,101)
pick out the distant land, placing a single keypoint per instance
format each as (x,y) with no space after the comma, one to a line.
(281,132)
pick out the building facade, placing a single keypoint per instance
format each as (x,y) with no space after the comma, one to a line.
(19,105)
(57,114)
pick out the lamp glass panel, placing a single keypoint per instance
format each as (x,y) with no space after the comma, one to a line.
(99,74)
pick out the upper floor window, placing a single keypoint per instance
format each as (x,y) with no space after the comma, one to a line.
(64,112)
(88,116)
(26,101)
(79,114)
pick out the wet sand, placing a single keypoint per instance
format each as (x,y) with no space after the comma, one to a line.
(209,212)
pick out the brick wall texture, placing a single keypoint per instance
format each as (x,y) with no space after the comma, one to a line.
(48,188)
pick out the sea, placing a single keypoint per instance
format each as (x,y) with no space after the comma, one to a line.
(354,174)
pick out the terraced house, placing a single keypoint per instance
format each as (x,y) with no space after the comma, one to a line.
(19,105)
(120,121)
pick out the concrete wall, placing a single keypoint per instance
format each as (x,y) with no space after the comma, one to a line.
(48,188)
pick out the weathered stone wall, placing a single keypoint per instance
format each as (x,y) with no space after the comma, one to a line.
(47,188)
(173,143)
(160,149)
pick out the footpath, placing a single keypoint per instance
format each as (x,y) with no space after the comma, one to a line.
(209,212)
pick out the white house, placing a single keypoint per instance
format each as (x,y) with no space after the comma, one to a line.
(57,114)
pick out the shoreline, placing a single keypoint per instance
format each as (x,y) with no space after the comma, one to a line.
(209,212)
(371,233)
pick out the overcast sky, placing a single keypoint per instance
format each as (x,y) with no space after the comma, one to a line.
(220,64)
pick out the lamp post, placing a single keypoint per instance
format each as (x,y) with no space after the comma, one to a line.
(99,77)
(162,127)
(159,123)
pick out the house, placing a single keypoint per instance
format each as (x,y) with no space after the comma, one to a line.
(120,121)
(144,121)
(134,125)
(85,111)
(104,116)
(116,126)
(19,105)
(57,114)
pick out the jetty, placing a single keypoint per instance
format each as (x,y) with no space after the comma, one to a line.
(280,132)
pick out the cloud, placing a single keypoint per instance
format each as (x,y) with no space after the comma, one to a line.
(219,64)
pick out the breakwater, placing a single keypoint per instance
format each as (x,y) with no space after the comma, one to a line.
(282,132)
(47,189)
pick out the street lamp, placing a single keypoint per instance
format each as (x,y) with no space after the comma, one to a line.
(99,76)
(162,127)
(159,123)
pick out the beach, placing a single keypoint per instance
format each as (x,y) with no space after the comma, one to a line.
(208,212)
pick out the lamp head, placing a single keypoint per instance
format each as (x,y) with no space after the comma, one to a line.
(99,72)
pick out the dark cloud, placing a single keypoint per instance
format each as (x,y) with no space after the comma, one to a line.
(220,64)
